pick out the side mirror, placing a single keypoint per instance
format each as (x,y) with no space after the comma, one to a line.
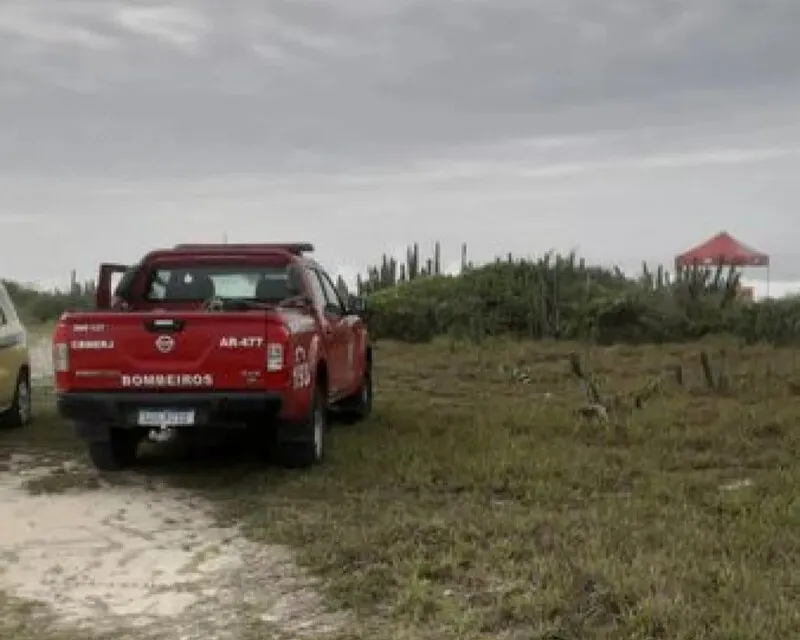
(356,305)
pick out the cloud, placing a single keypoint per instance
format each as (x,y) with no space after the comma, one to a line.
(489,52)
(718,157)
(548,166)
(271,53)
(559,122)
(45,27)
(176,26)
(610,205)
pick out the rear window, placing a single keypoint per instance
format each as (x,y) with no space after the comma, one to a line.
(200,282)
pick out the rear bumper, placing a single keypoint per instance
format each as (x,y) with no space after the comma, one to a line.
(212,409)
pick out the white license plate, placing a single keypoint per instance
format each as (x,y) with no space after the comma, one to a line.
(166,418)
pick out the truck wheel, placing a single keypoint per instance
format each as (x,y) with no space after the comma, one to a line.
(303,445)
(19,414)
(358,406)
(117,452)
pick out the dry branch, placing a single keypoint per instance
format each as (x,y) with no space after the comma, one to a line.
(595,407)
(620,404)
(708,371)
(718,381)
(579,370)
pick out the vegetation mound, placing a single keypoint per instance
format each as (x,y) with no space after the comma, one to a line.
(552,297)
(562,297)
(36,306)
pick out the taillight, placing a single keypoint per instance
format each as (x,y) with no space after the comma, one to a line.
(61,357)
(275,361)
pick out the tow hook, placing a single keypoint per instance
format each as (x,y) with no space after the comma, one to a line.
(162,434)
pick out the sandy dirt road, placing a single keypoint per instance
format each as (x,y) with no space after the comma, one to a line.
(41,359)
(145,563)
(142,561)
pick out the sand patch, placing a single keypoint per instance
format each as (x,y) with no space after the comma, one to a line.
(133,559)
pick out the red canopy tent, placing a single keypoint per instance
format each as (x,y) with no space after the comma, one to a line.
(723,250)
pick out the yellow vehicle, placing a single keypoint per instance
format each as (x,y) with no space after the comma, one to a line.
(15,367)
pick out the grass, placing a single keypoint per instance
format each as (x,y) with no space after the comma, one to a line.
(475,502)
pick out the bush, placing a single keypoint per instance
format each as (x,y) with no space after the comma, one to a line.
(554,296)
(562,298)
(35,306)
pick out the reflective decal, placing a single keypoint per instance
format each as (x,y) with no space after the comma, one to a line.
(160,380)
(91,345)
(88,328)
(96,373)
(301,375)
(241,342)
(274,356)
(296,323)
(251,376)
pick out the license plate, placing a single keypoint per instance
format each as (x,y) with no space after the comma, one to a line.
(165,418)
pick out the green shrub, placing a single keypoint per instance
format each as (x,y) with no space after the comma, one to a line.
(560,297)
(554,296)
(35,306)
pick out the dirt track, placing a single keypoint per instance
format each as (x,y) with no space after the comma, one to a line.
(41,359)
(145,560)
(141,560)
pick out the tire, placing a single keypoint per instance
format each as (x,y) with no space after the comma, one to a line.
(358,406)
(116,453)
(303,445)
(20,413)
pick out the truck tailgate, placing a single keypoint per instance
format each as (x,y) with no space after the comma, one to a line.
(173,350)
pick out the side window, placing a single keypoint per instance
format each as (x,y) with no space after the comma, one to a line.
(317,292)
(332,298)
(3,319)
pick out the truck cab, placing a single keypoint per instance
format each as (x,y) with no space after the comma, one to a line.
(195,337)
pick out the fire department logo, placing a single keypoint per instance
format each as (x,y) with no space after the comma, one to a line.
(165,344)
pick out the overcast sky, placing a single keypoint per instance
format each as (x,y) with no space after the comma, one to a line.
(626,129)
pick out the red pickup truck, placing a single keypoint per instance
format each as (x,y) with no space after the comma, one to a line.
(251,336)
